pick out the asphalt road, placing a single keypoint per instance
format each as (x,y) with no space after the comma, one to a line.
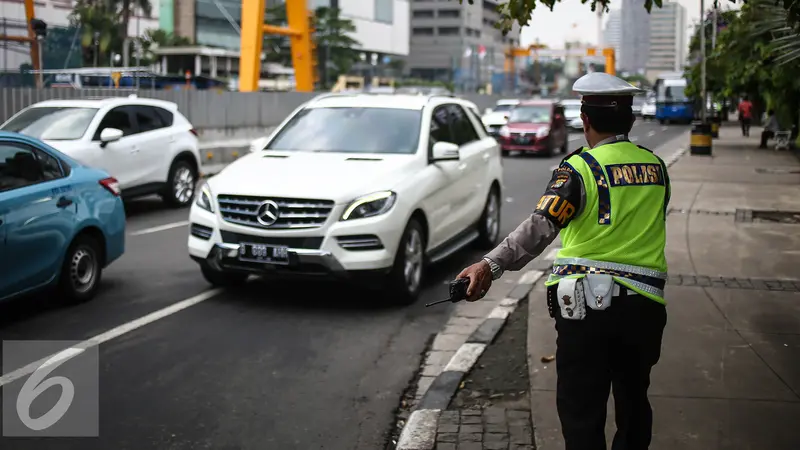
(300,366)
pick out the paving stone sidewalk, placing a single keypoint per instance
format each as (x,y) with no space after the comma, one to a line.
(487,429)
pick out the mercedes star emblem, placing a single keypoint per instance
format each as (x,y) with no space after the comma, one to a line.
(267,213)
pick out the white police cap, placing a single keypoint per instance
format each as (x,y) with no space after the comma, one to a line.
(599,83)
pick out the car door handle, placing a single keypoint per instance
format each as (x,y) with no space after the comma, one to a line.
(462,166)
(63,202)
(486,156)
(135,150)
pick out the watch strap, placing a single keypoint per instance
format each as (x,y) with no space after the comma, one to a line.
(497,271)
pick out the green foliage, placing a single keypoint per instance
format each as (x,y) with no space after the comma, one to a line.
(99,26)
(520,11)
(750,60)
(337,51)
(156,38)
(641,80)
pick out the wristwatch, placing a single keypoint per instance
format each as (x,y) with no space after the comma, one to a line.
(497,272)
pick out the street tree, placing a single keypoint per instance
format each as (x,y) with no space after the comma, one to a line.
(749,59)
(520,11)
(99,36)
(128,8)
(337,51)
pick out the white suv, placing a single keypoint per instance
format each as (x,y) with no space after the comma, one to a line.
(352,185)
(147,145)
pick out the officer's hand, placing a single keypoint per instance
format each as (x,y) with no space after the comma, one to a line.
(480,280)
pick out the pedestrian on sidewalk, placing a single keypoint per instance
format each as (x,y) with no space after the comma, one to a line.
(745,115)
(770,128)
(606,291)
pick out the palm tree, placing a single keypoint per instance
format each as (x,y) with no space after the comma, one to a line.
(773,20)
(127,8)
(98,23)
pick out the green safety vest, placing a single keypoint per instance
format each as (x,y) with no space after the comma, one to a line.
(622,228)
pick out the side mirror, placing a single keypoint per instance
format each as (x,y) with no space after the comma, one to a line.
(445,151)
(109,135)
(258,144)
(505,117)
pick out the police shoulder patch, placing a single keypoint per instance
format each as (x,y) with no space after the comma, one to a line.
(635,174)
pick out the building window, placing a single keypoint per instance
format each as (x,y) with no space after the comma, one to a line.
(448,31)
(384,11)
(423,14)
(422,31)
(449,13)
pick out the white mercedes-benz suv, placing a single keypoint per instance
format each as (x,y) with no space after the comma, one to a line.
(350,185)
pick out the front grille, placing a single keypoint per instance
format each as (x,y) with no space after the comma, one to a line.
(360,242)
(292,213)
(201,231)
(308,243)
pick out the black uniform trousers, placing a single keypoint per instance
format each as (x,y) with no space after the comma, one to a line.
(615,348)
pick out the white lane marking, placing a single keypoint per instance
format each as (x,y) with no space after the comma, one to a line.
(552,255)
(509,301)
(420,430)
(530,277)
(110,334)
(501,312)
(509,199)
(165,227)
(465,358)
(573,138)
(663,128)
(634,138)
(651,133)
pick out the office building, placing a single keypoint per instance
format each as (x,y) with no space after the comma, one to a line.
(457,42)
(668,44)
(634,37)
(382,26)
(612,32)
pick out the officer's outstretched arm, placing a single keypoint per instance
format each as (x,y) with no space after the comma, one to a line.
(562,201)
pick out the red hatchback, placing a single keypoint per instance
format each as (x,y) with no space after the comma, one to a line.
(536,126)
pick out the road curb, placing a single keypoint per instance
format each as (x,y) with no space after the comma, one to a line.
(419,432)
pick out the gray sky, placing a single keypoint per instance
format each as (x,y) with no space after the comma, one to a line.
(556,27)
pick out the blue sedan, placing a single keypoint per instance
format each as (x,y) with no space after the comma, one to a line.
(61,223)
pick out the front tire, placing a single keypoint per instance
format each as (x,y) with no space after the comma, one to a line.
(222,279)
(405,280)
(81,271)
(489,225)
(181,184)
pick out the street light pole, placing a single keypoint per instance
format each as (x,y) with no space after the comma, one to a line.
(703,92)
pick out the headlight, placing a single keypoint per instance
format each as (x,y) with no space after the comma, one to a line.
(370,205)
(204,198)
(542,132)
(504,131)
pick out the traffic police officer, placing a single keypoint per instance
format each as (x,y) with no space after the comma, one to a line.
(606,291)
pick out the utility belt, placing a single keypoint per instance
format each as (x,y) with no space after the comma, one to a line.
(595,290)
(572,296)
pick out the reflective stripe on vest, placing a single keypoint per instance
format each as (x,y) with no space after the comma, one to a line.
(643,278)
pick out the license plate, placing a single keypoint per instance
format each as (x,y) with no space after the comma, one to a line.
(262,253)
(522,140)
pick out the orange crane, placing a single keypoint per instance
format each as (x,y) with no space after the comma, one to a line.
(541,50)
(299,30)
(30,38)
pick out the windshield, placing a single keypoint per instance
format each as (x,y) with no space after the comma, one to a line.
(572,111)
(52,123)
(501,108)
(351,130)
(530,114)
